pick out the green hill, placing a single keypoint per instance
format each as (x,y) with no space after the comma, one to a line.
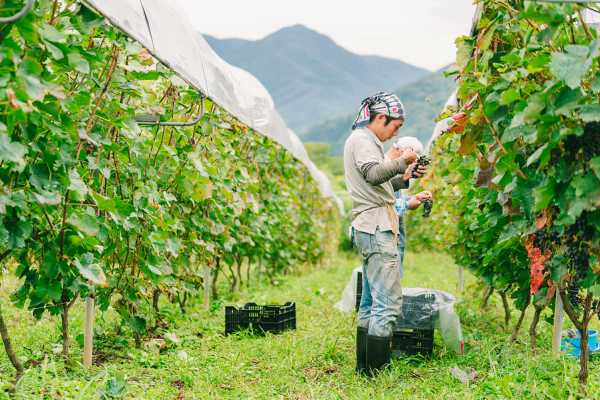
(310,77)
(423,100)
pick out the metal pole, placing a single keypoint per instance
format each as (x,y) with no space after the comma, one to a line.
(26,8)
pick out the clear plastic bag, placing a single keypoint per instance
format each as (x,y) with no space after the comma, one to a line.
(421,309)
(347,303)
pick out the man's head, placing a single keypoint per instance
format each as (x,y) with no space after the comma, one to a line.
(382,113)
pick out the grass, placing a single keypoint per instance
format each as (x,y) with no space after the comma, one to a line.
(314,362)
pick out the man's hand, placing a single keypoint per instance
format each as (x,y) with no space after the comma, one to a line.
(414,171)
(408,174)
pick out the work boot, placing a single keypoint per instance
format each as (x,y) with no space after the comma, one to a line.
(379,351)
(361,350)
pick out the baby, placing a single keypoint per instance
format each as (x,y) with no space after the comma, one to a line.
(404,202)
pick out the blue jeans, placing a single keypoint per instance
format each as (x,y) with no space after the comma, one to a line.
(401,245)
(381,302)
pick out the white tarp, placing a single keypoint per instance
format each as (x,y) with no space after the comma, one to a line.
(592,18)
(442,126)
(160,27)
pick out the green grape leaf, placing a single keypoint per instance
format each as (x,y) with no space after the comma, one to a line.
(76,184)
(18,234)
(79,63)
(51,34)
(54,290)
(544,194)
(55,51)
(596,84)
(571,66)
(48,198)
(595,164)
(90,270)
(12,151)
(509,96)
(85,223)
(590,113)
(536,155)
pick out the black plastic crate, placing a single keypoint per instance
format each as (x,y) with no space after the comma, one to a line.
(411,342)
(418,312)
(358,289)
(260,319)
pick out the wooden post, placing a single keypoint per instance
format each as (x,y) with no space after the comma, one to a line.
(461,279)
(259,272)
(559,317)
(88,333)
(207,287)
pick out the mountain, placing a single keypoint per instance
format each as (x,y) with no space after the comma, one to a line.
(423,100)
(310,77)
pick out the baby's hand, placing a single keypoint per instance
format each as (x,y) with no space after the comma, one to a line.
(424,196)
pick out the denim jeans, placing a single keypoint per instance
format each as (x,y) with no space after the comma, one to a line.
(401,244)
(381,302)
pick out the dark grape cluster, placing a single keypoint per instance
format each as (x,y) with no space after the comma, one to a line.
(427,206)
(588,143)
(577,238)
(422,161)
(546,239)
(573,289)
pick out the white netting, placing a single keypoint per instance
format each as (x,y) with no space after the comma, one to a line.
(442,126)
(160,27)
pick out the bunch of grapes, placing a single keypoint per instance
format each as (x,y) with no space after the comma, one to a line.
(427,206)
(573,289)
(546,239)
(588,143)
(577,239)
(422,161)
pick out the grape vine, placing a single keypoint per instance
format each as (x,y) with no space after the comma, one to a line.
(518,191)
(92,204)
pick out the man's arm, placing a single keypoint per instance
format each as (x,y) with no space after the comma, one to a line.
(399,183)
(377,173)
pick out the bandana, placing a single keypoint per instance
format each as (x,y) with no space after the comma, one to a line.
(381,103)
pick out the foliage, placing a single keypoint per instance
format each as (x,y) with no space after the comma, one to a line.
(525,171)
(91,203)
(314,362)
(333,166)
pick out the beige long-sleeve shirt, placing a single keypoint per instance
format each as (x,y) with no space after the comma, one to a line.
(372,204)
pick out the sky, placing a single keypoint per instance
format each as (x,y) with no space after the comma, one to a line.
(420,32)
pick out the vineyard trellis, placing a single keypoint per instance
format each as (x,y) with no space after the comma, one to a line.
(95,206)
(518,191)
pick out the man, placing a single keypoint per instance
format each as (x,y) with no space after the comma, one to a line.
(371,181)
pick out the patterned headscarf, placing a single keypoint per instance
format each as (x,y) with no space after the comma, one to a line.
(381,103)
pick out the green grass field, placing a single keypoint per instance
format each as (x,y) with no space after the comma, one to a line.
(314,362)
